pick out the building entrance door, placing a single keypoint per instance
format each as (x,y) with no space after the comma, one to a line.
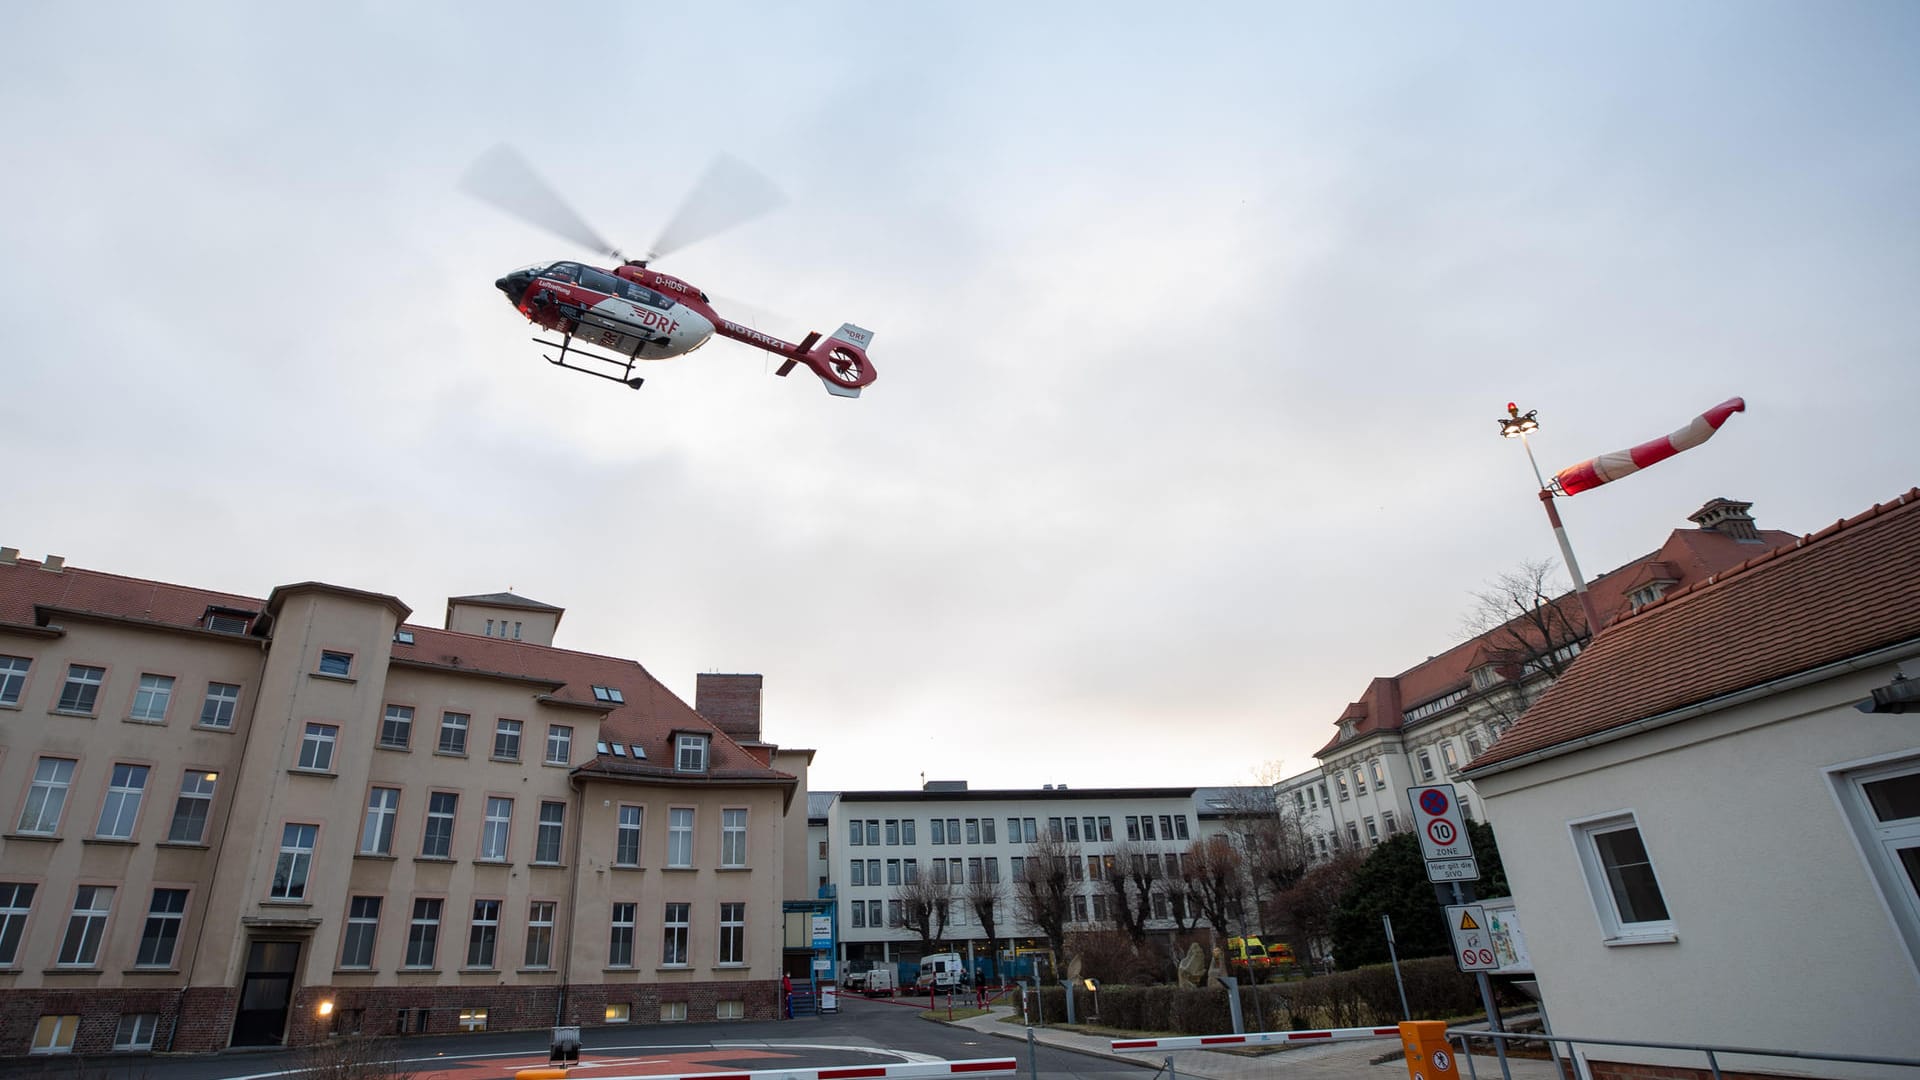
(265,992)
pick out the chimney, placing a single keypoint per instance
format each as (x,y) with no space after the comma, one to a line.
(1728,517)
(9,556)
(731,702)
(54,563)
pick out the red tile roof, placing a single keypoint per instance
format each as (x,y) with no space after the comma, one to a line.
(647,718)
(1847,590)
(1690,554)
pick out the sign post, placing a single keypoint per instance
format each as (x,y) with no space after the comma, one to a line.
(1473,951)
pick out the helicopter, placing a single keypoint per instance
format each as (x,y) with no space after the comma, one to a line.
(611,319)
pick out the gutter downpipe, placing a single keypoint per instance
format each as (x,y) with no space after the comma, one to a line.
(1898,651)
(573,892)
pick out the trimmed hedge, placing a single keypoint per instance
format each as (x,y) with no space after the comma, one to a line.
(1363,997)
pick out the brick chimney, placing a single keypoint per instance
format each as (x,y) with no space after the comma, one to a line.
(1728,517)
(732,703)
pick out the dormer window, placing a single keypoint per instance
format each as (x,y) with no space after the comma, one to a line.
(609,694)
(1484,677)
(403,637)
(690,753)
(1642,597)
(227,620)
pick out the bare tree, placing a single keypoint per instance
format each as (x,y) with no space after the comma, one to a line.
(1311,901)
(1275,845)
(1530,625)
(983,897)
(1215,880)
(1181,904)
(1043,891)
(923,908)
(1131,876)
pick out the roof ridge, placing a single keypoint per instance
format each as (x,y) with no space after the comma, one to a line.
(70,568)
(1876,511)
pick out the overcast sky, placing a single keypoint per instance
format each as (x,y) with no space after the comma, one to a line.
(1191,332)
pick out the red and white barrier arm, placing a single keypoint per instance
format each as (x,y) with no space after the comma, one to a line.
(1606,468)
(912,1070)
(1256,1038)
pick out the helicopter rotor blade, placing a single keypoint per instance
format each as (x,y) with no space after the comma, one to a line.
(728,193)
(504,179)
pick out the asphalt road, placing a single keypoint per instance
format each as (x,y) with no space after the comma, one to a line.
(863,1032)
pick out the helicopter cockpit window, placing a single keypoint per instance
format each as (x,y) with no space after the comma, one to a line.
(562,271)
(640,294)
(599,281)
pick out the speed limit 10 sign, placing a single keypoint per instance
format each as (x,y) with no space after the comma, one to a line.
(1443,834)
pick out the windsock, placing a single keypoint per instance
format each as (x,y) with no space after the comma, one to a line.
(1593,472)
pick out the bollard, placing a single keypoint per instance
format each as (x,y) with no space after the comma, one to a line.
(1071,1014)
(1233,1004)
(1429,1055)
(1033,1056)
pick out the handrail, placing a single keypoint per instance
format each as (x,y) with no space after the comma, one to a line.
(1713,1052)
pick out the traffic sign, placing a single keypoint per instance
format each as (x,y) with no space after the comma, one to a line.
(1443,834)
(1472,944)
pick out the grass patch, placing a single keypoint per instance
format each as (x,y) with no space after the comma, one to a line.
(958,1013)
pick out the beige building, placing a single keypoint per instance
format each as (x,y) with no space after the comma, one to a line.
(253,822)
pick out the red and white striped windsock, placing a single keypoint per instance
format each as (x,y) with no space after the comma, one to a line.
(1593,472)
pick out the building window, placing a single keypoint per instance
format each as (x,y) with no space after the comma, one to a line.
(873,871)
(673,941)
(403,637)
(496,829)
(363,925)
(1426,765)
(559,744)
(1359,783)
(506,740)
(855,833)
(618,1012)
(673,1012)
(893,831)
(82,689)
(453,734)
(1373,832)
(609,694)
(1029,832)
(1353,835)
(553,826)
(938,834)
(540,933)
(336,663)
(1448,755)
(13,678)
(151,700)
(437,843)
(1386,822)
(680,837)
(86,926)
(859,914)
(906,832)
(136,1031)
(993,870)
(483,933)
(190,811)
(296,860)
(1620,876)
(316,747)
(621,938)
(1473,744)
(733,838)
(1340,785)
(1379,777)
(472,1019)
(48,795)
(221,702)
(383,809)
(626,839)
(164,915)
(690,753)
(423,933)
(873,832)
(893,871)
(396,728)
(1133,829)
(16,903)
(122,805)
(859,873)
(54,1034)
(1882,806)
(732,1009)
(733,933)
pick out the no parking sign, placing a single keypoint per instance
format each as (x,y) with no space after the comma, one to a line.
(1443,835)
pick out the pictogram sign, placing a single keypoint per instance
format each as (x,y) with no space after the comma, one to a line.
(1443,834)
(1472,945)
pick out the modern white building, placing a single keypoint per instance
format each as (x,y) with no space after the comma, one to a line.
(1711,824)
(865,845)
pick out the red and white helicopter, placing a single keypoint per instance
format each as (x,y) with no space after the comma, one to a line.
(637,313)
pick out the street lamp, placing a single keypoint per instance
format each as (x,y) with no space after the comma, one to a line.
(1516,425)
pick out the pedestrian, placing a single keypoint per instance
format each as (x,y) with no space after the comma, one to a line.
(786,995)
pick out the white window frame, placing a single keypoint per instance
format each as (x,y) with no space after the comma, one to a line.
(1426,764)
(690,753)
(136,1031)
(86,927)
(163,927)
(733,838)
(316,747)
(218,708)
(383,814)
(294,866)
(423,933)
(13,677)
(84,681)
(1614,929)
(620,931)
(438,820)
(47,795)
(680,837)
(152,699)
(676,924)
(456,724)
(120,810)
(559,744)
(733,934)
(362,928)
(396,727)
(341,664)
(539,951)
(496,830)
(57,1037)
(1880,842)
(550,833)
(627,834)
(483,935)
(14,911)
(194,807)
(506,739)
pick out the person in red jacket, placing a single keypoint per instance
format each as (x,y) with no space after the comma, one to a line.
(786,995)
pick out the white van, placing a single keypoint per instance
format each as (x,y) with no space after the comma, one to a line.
(943,971)
(880,982)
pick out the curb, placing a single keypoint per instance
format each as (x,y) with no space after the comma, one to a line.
(1082,1051)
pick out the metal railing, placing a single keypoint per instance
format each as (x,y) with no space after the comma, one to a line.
(1712,1052)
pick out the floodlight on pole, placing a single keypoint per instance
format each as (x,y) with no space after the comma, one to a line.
(1516,425)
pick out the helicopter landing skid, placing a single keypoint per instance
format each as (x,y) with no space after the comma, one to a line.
(566,346)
